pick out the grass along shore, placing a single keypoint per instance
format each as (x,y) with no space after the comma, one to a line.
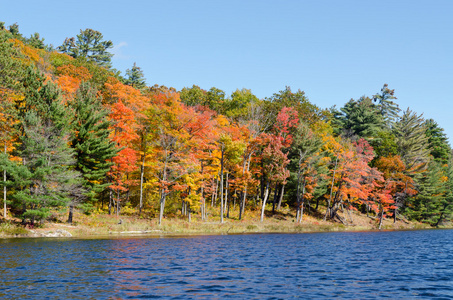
(104,225)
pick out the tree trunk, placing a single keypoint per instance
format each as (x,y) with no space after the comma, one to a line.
(5,215)
(214,195)
(118,203)
(4,191)
(162,206)
(189,213)
(262,183)
(203,204)
(221,189)
(142,171)
(299,172)
(244,192)
(241,204)
(301,212)
(440,218)
(282,192)
(227,205)
(302,201)
(276,190)
(380,219)
(331,189)
(339,218)
(394,214)
(71,209)
(228,209)
(110,201)
(266,194)
(349,213)
(234,196)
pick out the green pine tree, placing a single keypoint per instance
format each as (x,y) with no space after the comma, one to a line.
(89,44)
(433,204)
(36,41)
(14,30)
(438,142)
(91,141)
(412,142)
(46,177)
(135,77)
(388,109)
(11,68)
(361,118)
(304,154)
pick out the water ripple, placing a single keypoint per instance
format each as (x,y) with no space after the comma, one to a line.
(403,265)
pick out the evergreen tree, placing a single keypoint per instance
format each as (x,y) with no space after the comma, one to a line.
(135,77)
(438,142)
(433,203)
(446,204)
(336,120)
(388,109)
(361,118)
(412,142)
(36,41)
(305,168)
(11,69)
(11,72)
(31,84)
(93,148)
(90,45)
(45,178)
(14,30)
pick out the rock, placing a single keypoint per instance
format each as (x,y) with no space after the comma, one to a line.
(57,233)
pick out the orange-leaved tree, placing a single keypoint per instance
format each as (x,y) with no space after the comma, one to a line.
(399,184)
(170,145)
(129,124)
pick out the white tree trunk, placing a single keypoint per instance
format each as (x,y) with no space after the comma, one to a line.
(4,192)
(266,194)
(142,171)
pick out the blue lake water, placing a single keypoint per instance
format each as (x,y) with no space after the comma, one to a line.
(355,265)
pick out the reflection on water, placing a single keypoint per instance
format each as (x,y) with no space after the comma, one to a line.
(415,264)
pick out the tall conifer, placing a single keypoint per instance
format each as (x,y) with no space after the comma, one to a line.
(45,178)
(91,140)
(135,77)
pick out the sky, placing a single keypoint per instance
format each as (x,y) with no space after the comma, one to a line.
(332,50)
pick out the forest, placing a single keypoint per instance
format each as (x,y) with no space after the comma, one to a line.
(76,134)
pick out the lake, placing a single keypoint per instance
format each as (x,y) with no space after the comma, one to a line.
(355,265)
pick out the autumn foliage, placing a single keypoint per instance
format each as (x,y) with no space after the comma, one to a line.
(191,150)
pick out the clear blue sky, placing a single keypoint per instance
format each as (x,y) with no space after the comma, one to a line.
(333,50)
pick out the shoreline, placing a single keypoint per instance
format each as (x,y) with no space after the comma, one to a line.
(104,226)
(64,231)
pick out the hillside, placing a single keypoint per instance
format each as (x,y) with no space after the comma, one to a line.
(86,145)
